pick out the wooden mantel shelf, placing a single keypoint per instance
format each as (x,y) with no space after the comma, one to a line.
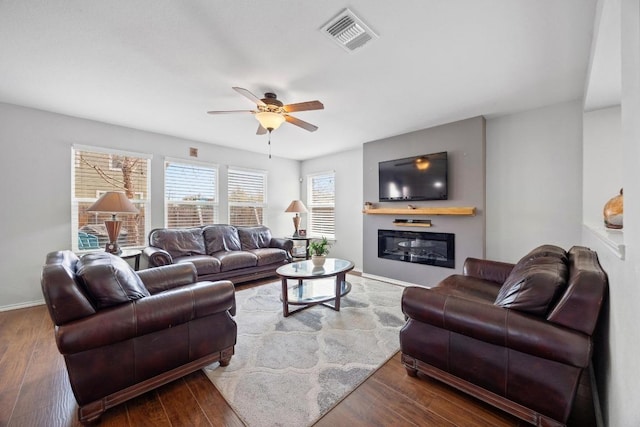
(456,210)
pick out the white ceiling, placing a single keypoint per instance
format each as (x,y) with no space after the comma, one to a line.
(159,65)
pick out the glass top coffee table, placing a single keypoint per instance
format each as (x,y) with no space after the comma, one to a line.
(315,285)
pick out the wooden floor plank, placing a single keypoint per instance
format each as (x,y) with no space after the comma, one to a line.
(181,406)
(19,330)
(211,401)
(147,411)
(46,372)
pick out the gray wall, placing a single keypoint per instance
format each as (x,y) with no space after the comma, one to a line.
(35,181)
(602,155)
(347,166)
(534,180)
(616,355)
(465,143)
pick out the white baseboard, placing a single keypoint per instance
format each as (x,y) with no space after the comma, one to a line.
(388,280)
(21,305)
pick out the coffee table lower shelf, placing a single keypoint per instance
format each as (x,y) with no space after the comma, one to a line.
(308,293)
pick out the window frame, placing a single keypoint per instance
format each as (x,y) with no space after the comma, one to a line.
(311,204)
(264,205)
(75,201)
(215,204)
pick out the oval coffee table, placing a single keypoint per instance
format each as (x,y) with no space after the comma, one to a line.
(311,289)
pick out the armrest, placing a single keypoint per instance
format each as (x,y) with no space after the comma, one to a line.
(285,244)
(146,315)
(167,277)
(493,271)
(497,325)
(156,257)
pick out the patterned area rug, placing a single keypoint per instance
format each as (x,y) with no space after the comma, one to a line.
(291,371)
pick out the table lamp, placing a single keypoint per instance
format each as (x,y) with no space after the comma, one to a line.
(113,202)
(298,207)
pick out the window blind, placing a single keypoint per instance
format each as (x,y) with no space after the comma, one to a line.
(190,194)
(321,204)
(94,173)
(247,196)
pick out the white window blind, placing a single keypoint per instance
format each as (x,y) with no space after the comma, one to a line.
(247,196)
(190,194)
(321,198)
(96,171)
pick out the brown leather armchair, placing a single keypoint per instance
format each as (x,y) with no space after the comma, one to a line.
(515,336)
(124,333)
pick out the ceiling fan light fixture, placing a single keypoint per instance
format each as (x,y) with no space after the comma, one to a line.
(270,120)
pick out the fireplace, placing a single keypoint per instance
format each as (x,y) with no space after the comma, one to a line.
(417,247)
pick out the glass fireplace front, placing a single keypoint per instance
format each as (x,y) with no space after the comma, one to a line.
(418,247)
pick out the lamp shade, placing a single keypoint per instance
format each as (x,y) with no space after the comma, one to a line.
(270,120)
(113,202)
(296,206)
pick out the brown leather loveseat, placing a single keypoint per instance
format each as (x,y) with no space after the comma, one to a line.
(516,336)
(220,252)
(124,333)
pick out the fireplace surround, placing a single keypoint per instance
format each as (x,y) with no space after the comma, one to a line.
(437,249)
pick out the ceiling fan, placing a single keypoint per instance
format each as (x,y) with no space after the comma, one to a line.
(271,112)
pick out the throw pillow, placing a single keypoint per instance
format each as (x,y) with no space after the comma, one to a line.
(534,287)
(179,242)
(109,280)
(254,237)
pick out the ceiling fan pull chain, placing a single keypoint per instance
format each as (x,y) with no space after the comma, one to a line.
(269,144)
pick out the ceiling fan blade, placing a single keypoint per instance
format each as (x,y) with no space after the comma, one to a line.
(230,112)
(304,106)
(249,95)
(261,130)
(300,123)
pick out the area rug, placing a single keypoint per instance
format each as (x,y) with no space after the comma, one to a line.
(291,371)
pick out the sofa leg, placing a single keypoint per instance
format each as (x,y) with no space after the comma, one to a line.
(225,356)
(412,372)
(90,414)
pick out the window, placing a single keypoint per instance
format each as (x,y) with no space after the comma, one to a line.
(93,174)
(190,194)
(321,200)
(247,196)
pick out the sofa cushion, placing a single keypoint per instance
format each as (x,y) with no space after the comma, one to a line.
(109,280)
(468,287)
(205,264)
(233,260)
(254,237)
(533,285)
(221,238)
(268,256)
(179,241)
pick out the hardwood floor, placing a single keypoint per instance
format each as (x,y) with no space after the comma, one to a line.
(34,391)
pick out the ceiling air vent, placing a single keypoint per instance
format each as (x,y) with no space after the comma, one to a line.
(348,31)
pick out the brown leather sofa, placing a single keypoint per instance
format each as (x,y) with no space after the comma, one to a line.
(219,251)
(515,336)
(124,333)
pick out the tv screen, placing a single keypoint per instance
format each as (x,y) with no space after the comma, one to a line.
(414,178)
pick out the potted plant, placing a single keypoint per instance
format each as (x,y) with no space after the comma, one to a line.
(319,249)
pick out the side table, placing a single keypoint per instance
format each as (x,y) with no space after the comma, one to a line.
(306,247)
(132,253)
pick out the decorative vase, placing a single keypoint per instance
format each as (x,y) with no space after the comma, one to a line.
(318,260)
(613,212)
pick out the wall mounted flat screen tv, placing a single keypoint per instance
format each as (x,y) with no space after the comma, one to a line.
(414,178)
